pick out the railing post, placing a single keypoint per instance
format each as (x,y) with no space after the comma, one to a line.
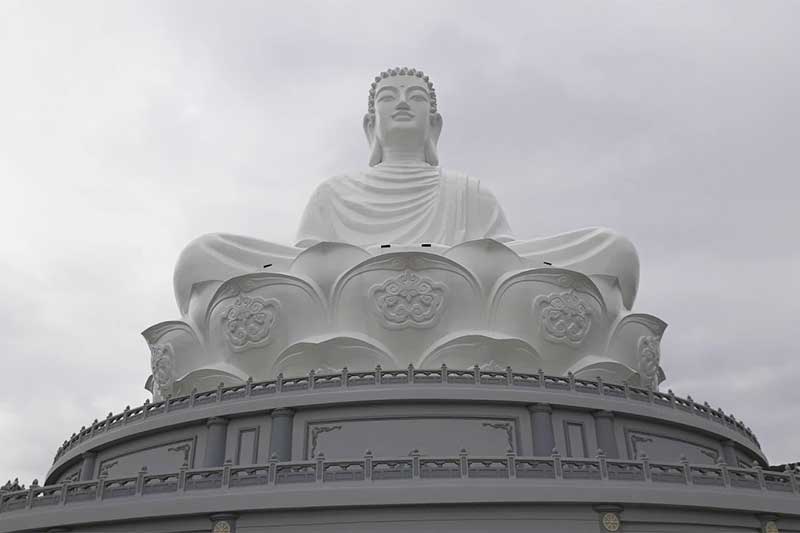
(444,373)
(571,378)
(463,463)
(62,498)
(125,414)
(410,373)
(540,374)
(707,410)
(511,459)
(101,486)
(723,468)
(311,379)
(226,473)
(93,428)
(146,408)
(760,475)
(646,467)
(248,387)
(415,464)
(345,378)
(166,403)
(193,397)
(108,420)
(476,374)
(687,471)
(182,476)
(626,390)
(671,398)
(603,463)
(378,375)
(140,480)
(600,388)
(219,391)
(29,497)
(320,467)
(368,465)
(650,396)
(509,376)
(557,471)
(279,382)
(792,480)
(273,468)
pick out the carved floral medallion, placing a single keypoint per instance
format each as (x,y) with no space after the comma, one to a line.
(649,358)
(564,317)
(409,300)
(249,321)
(162,364)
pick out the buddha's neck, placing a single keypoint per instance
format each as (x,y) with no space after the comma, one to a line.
(403,155)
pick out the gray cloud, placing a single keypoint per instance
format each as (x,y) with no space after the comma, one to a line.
(129,129)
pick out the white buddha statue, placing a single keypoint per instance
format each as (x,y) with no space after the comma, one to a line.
(402,198)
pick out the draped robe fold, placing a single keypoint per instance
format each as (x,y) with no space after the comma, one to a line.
(404,205)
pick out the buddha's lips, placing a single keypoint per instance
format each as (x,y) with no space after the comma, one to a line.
(402,114)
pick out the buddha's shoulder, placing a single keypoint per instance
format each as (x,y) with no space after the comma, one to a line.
(475,186)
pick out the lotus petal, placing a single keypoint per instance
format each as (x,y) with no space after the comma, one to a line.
(466,349)
(325,261)
(609,370)
(487,259)
(331,354)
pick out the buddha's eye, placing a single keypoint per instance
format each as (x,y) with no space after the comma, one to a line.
(386,98)
(419,98)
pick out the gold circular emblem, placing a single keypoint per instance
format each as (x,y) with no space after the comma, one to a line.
(771,527)
(222,527)
(611,521)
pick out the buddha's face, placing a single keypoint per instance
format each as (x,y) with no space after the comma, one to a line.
(402,106)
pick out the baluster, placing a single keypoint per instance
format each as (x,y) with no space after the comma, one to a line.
(378,375)
(219,391)
(571,378)
(273,468)
(182,476)
(279,382)
(792,480)
(125,414)
(557,469)
(600,387)
(723,467)
(509,376)
(311,379)
(760,475)
(166,403)
(140,480)
(101,485)
(368,464)
(415,463)
(671,398)
(540,374)
(444,373)
(411,373)
(511,463)
(193,397)
(626,392)
(602,461)
(687,471)
(62,497)
(226,473)
(248,387)
(463,463)
(320,467)
(646,468)
(476,374)
(146,408)
(345,378)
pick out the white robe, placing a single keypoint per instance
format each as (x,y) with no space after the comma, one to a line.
(402,204)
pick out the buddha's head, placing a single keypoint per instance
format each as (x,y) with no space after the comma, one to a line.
(402,113)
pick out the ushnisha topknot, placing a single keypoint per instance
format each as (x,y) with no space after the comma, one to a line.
(400,71)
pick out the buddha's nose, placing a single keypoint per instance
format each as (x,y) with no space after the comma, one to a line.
(402,104)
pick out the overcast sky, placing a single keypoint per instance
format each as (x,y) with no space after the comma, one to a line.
(128,129)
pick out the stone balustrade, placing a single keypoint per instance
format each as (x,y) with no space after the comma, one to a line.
(416,466)
(408,377)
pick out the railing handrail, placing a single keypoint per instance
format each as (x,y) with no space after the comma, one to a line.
(381,377)
(415,466)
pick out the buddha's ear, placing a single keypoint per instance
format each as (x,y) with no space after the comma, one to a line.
(436,126)
(369,127)
(375,150)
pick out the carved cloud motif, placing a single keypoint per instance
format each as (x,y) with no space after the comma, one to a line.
(409,300)
(564,317)
(249,321)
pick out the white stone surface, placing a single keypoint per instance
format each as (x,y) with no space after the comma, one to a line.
(404,263)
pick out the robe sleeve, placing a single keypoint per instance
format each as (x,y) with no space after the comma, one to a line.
(490,220)
(316,226)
